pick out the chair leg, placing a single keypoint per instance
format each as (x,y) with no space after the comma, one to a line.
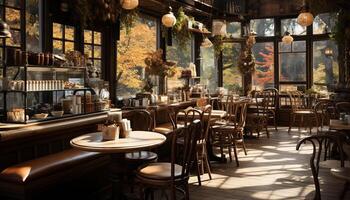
(275,121)
(236,157)
(291,121)
(187,191)
(198,170)
(222,152)
(230,153)
(267,131)
(346,186)
(244,147)
(206,161)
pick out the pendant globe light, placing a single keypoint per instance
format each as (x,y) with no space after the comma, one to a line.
(305,17)
(129,4)
(287,38)
(219,27)
(169,20)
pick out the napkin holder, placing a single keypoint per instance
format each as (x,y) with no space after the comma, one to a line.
(125,128)
(110,131)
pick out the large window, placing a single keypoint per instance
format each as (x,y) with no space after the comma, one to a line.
(62,38)
(132,49)
(263,27)
(32,25)
(325,63)
(92,47)
(209,70)
(182,56)
(292,61)
(264,59)
(10,11)
(232,78)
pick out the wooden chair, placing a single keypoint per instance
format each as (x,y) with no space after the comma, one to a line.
(299,109)
(201,159)
(272,104)
(141,120)
(172,175)
(317,142)
(343,107)
(231,134)
(258,118)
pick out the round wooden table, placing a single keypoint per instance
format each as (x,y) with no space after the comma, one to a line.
(137,141)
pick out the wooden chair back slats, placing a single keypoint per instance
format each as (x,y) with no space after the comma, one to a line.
(142,120)
(190,135)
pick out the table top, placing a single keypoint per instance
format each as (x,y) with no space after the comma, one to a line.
(338,125)
(138,140)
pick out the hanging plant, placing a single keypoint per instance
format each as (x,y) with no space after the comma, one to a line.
(246,62)
(155,65)
(180,30)
(128,19)
(218,44)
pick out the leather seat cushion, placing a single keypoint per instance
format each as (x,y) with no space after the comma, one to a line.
(165,128)
(141,155)
(47,165)
(159,171)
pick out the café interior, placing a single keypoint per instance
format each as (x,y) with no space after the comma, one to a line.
(174,99)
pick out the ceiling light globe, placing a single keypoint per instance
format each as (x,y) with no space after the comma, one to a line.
(129,4)
(305,19)
(169,20)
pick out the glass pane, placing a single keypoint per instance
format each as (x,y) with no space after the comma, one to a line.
(69,46)
(232,78)
(57,47)
(209,71)
(263,27)
(13,18)
(179,55)
(69,32)
(88,50)
(324,23)
(292,27)
(299,46)
(57,30)
(97,52)
(13,3)
(87,36)
(32,25)
(325,62)
(97,37)
(234,29)
(285,47)
(132,50)
(15,40)
(292,66)
(264,63)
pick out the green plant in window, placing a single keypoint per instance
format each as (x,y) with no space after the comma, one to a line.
(181,32)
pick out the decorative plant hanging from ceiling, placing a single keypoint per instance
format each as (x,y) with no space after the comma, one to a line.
(181,33)
(246,62)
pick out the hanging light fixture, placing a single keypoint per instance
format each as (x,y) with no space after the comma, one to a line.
(129,4)
(169,20)
(206,43)
(305,17)
(219,27)
(328,52)
(287,38)
(4,30)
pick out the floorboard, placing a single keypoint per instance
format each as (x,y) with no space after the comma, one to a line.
(273,169)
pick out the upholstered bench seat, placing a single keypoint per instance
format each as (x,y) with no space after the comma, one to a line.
(22,180)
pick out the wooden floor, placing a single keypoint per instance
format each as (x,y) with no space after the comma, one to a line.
(273,169)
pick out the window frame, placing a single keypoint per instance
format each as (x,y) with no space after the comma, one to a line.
(93,45)
(63,40)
